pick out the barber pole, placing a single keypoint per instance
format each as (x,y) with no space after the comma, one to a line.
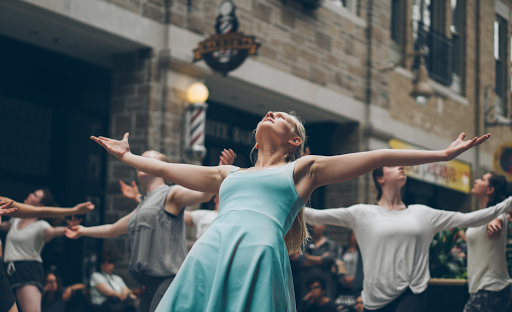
(195,117)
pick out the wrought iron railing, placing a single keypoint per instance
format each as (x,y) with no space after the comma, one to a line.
(438,53)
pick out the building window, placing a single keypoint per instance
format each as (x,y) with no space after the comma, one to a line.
(429,34)
(500,52)
(349,5)
(397,30)
(457,31)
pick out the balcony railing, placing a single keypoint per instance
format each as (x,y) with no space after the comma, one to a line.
(438,54)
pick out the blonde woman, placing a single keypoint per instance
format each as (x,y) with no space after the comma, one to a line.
(241,262)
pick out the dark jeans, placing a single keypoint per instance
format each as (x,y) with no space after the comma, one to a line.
(407,302)
(154,290)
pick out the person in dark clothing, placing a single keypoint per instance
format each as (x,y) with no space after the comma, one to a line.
(316,300)
(55,296)
(350,275)
(318,260)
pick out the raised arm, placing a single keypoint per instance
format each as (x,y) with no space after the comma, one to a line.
(444,220)
(198,178)
(337,216)
(29,211)
(101,231)
(322,170)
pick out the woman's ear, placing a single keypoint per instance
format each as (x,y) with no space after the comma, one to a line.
(295,141)
(490,190)
(381,180)
(257,146)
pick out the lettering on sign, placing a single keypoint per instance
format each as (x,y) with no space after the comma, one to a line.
(452,174)
(226,132)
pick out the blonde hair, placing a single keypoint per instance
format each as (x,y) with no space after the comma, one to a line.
(298,232)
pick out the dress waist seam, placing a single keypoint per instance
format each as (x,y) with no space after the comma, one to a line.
(257,213)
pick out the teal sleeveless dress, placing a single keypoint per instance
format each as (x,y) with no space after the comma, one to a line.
(241,262)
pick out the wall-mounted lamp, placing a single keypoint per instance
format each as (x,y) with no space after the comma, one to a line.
(498,120)
(421,90)
(195,122)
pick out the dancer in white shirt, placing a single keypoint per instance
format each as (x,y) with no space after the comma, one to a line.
(394,241)
(488,278)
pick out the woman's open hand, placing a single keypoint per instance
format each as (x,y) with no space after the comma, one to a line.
(227,157)
(459,146)
(6,208)
(130,192)
(114,147)
(74,232)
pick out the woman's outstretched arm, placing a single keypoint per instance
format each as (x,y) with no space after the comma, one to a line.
(444,220)
(29,211)
(322,170)
(101,231)
(336,216)
(197,178)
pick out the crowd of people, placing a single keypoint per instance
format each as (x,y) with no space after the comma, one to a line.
(248,255)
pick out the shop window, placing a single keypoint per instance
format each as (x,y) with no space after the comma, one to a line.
(397,30)
(457,32)
(429,34)
(500,52)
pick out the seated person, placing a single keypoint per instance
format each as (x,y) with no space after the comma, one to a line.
(108,291)
(316,300)
(55,296)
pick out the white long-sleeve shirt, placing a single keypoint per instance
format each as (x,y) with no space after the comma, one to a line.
(395,244)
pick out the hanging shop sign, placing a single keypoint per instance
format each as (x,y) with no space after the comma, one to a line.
(502,162)
(228,48)
(452,174)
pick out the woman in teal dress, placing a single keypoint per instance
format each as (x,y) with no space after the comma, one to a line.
(241,262)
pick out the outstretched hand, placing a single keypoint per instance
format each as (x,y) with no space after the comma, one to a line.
(459,146)
(114,147)
(6,208)
(84,208)
(227,157)
(130,192)
(73,222)
(74,232)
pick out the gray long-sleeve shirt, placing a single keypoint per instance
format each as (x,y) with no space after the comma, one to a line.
(395,244)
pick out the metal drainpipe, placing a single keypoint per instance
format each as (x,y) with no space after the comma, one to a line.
(368,99)
(164,58)
(477,91)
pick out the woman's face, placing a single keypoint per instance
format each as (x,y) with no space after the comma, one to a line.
(276,126)
(142,176)
(394,176)
(34,198)
(51,283)
(482,186)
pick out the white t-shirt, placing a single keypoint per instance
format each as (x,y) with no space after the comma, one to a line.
(487,263)
(113,282)
(25,244)
(202,220)
(395,244)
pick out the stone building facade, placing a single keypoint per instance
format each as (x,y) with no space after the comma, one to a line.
(324,63)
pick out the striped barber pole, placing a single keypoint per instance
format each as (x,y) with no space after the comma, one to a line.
(197,122)
(195,131)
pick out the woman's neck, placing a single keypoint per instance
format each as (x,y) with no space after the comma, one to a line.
(154,184)
(391,199)
(270,157)
(483,200)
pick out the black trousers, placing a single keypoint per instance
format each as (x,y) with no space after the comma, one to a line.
(7,298)
(154,290)
(407,302)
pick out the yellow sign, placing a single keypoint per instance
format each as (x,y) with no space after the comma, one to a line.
(452,174)
(502,162)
